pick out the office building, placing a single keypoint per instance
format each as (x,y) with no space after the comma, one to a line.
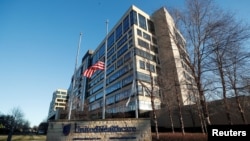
(147,50)
(59,101)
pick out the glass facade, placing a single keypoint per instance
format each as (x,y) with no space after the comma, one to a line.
(129,44)
(134,45)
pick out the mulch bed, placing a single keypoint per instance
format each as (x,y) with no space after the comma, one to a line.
(180,137)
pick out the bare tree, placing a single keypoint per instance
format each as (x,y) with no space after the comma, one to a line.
(195,23)
(209,36)
(233,78)
(178,99)
(169,58)
(166,100)
(16,118)
(234,73)
(226,41)
(151,91)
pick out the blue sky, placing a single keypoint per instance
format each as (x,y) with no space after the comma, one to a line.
(39,39)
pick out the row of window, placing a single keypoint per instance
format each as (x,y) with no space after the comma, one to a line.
(112,77)
(122,28)
(146,45)
(146,66)
(146,55)
(119,73)
(144,35)
(116,109)
(121,38)
(110,100)
(112,57)
(61,96)
(146,105)
(143,43)
(114,46)
(95,106)
(145,91)
(61,92)
(188,77)
(180,41)
(185,66)
(61,100)
(116,86)
(97,78)
(143,77)
(111,47)
(122,108)
(118,97)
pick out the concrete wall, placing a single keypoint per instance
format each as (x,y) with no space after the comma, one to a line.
(217,114)
(103,130)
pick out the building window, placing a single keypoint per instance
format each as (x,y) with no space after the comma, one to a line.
(124,94)
(130,43)
(110,52)
(139,32)
(150,67)
(133,17)
(111,60)
(91,99)
(142,64)
(102,50)
(95,106)
(145,55)
(97,87)
(139,89)
(125,24)
(127,56)
(130,33)
(127,80)
(119,62)
(98,96)
(110,100)
(118,32)
(142,22)
(94,58)
(117,74)
(143,43)
(111,40)
(146,36)
(113,87)
(122,41)
(113,77)
(110,69)
(151,27)
(143,77)
(122,50)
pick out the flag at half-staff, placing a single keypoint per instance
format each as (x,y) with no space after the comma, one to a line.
(97,66)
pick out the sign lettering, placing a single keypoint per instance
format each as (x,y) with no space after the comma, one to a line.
(98,129)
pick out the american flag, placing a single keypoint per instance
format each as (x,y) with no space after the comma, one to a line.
(90,71)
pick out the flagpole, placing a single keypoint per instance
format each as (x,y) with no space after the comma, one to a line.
(74,77)
(105,70)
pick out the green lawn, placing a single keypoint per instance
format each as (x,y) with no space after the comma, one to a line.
(24,138)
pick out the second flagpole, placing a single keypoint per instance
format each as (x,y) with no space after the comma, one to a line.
(105,70)
(72,96)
